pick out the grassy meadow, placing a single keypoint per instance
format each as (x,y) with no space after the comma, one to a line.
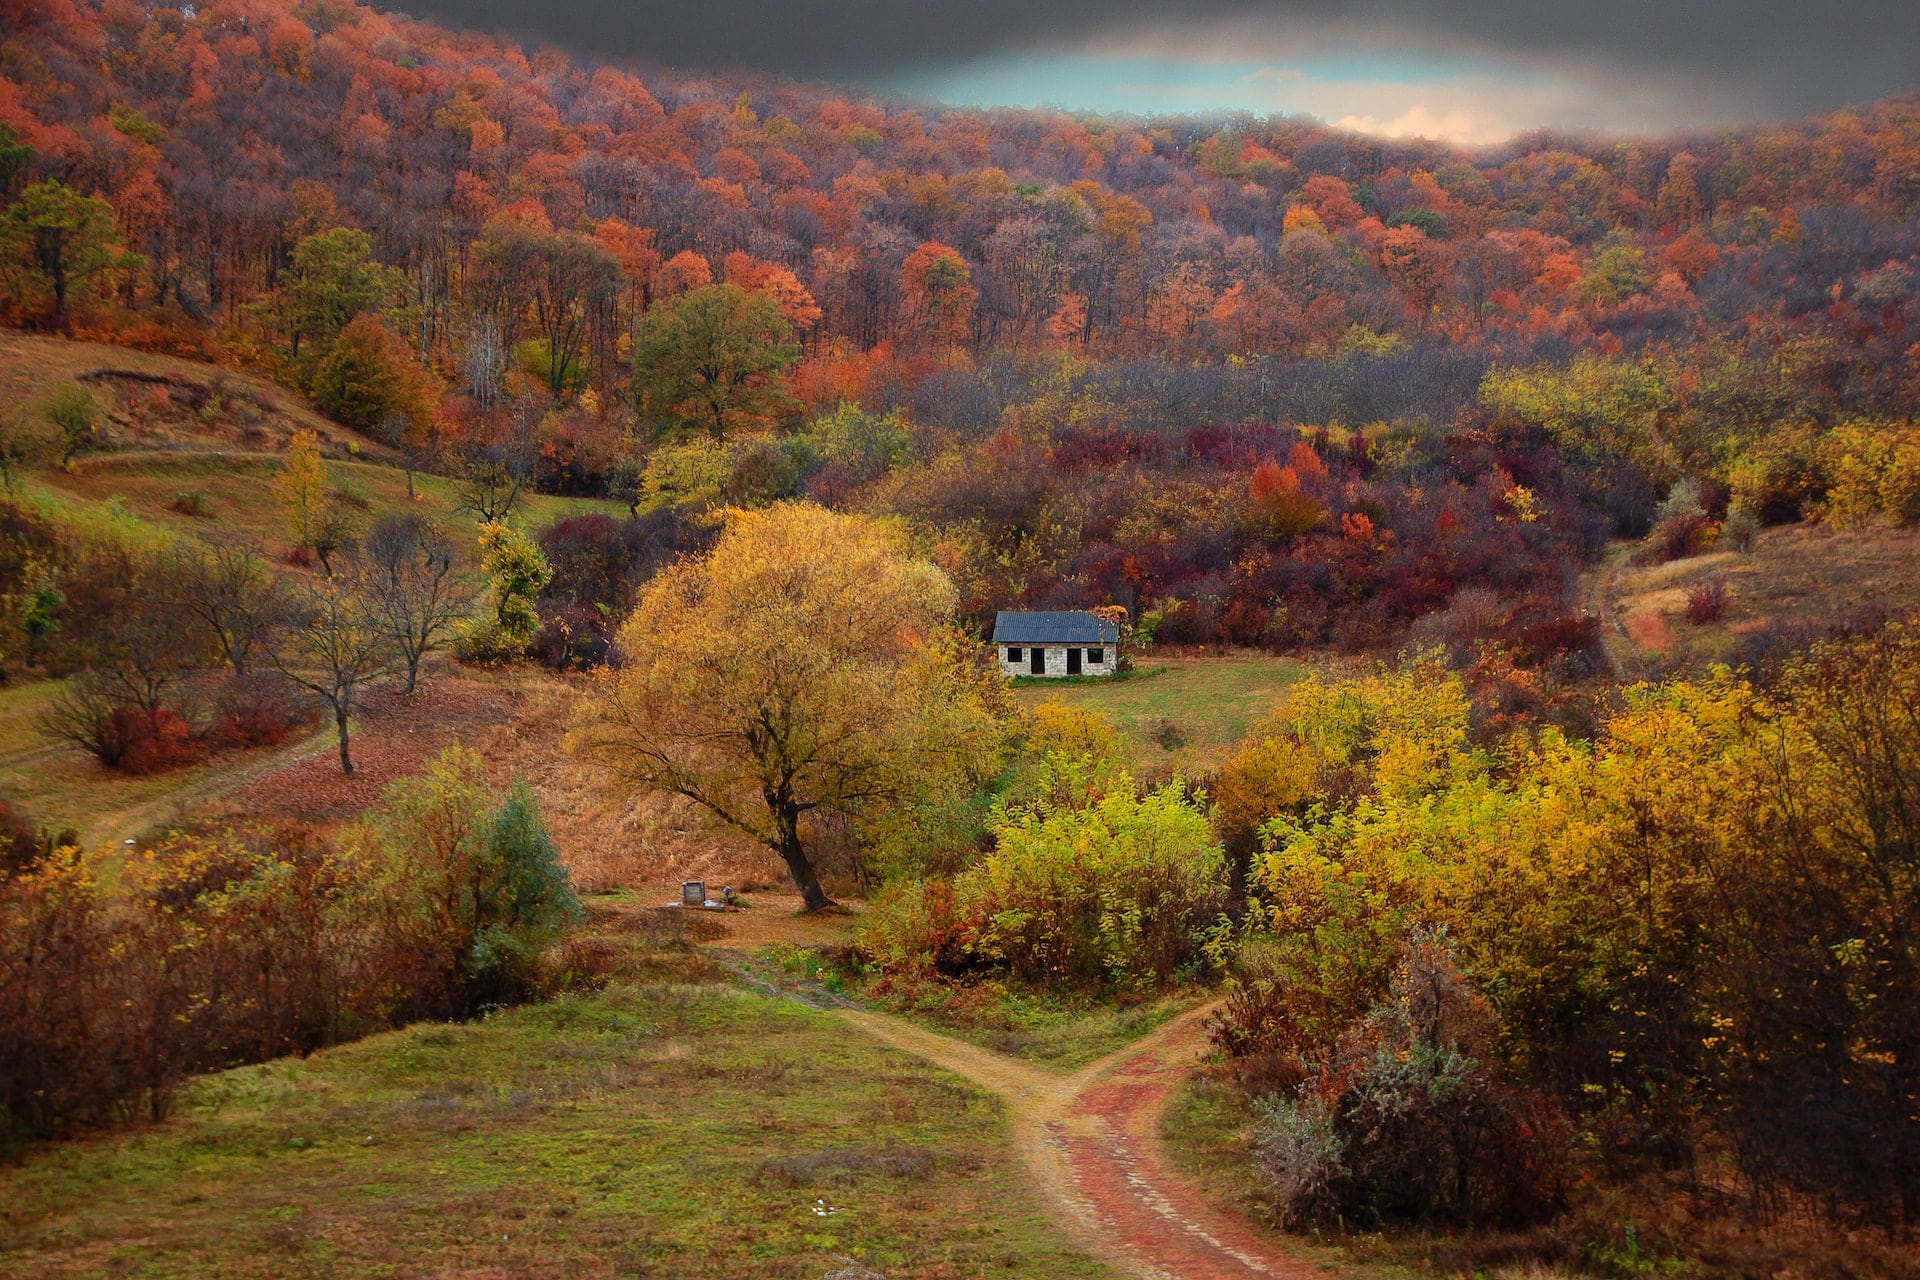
(670,1124)
(1178,714)
(230,492)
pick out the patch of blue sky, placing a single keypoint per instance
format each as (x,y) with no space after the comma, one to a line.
(1150,86)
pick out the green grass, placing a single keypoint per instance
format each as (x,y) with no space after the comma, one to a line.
(684,1130)
(234,487)
(60,787)
(1210,703)
(1206,1129)
(1050,1030)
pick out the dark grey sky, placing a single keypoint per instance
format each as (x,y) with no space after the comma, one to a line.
(1744,57)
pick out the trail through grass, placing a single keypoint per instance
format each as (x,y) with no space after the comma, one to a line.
(695,1130)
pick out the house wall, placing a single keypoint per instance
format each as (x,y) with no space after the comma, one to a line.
(1057,660)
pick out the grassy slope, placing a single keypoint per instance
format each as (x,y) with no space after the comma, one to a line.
(235,488)
(161,400)
(1212,702)
(226,455)
(1205,1130)
(62,787)
(1801,575)
(658,1129)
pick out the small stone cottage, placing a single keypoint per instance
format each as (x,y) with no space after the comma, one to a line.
(1066,642)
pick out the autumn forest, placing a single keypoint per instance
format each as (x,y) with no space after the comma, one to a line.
(1523,926)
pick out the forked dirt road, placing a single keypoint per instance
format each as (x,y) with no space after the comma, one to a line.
(1090,1141)
(1090,1138)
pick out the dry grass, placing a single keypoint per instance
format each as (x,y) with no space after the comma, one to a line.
(1798,578)
(516,718)
(155,401)
(608,837)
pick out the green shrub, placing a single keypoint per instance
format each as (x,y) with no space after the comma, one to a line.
(1093,882)
(517,572)
(522,899)
(462,896)
(75,414)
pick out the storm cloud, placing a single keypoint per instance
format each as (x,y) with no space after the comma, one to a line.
(1691,61)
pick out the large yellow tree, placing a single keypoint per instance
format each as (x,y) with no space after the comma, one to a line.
(806,665)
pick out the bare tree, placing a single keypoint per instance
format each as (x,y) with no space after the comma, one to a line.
(82,714)
(487,482)
(139,644)
(491,469)
(410,570)
(333,533)
(397,430)
(143,642)
(237,599)
(484,362)
(335,643)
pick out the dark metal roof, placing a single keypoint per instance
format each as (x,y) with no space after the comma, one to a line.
(1056,626)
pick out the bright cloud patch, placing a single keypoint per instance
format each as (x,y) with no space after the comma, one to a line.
(1351,79)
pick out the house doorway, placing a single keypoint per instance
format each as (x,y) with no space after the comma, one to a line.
(1037,661)
(1073,662)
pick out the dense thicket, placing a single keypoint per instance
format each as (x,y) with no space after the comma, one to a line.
(123,972)
(1693,934)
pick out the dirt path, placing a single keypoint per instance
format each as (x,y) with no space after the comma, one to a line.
(1616,646)
(1090,1141)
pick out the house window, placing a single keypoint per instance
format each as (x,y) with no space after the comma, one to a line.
(1096,655)
(1013,653)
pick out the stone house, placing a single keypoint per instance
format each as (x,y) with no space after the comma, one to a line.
(1064,642)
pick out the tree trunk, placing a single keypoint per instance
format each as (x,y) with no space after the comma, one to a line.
(340,724)
(798,864)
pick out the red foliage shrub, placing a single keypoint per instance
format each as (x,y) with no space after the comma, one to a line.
(1676,539)
(255,713)
(1706,601)
(1281,507)
(1305,462)
(168,332)
(1568,633)
(143,742)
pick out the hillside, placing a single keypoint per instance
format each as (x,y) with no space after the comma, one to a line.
(606,1133)
(161,402)
(1795,584)
(1068,345)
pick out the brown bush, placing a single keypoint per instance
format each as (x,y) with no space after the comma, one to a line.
(1406,1116)
(205,950)
(22,844)
(1676,538)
